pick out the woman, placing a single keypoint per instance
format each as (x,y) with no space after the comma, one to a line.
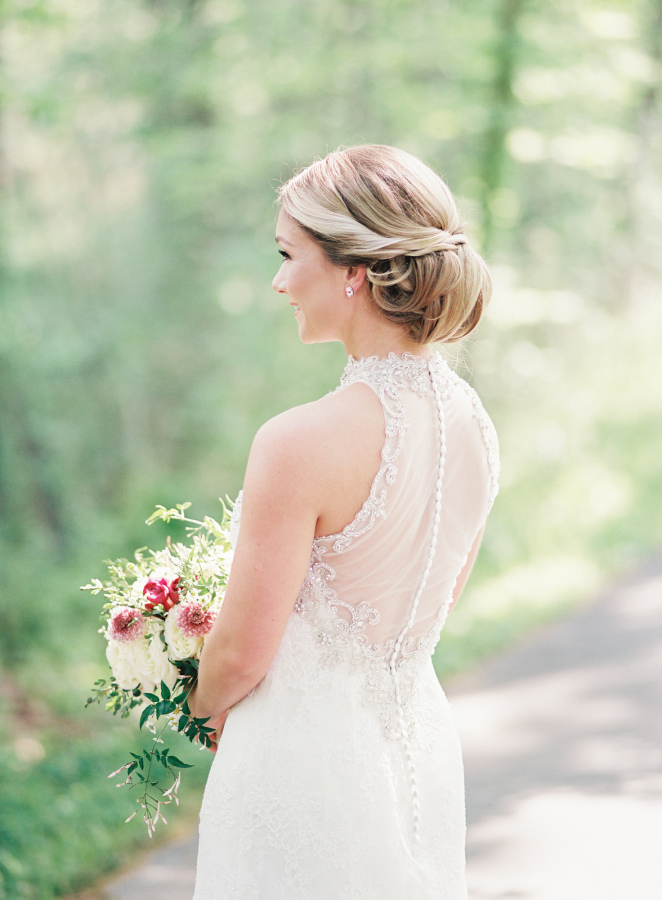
(339,774)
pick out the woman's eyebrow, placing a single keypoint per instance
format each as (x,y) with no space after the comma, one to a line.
(282,240)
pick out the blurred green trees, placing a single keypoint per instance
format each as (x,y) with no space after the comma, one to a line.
(141,344)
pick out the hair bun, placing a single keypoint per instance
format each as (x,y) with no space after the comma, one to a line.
(383,208)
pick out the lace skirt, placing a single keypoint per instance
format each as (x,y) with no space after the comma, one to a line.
(310,797)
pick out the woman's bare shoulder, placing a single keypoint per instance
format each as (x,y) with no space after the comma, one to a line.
(332,444)
(314,428)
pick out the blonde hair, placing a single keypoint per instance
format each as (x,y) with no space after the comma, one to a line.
(383,208)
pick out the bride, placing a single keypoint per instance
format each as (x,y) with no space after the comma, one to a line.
(338,774)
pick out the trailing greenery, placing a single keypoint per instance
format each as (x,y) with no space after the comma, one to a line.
(62,820)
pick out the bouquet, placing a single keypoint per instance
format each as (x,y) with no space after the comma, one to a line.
(158,610)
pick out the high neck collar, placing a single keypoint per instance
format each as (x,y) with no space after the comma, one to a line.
(396,370)
(393,358)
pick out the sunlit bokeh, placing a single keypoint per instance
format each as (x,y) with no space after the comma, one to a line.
(141,344)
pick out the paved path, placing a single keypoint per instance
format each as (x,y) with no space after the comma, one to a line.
(563,752)
(563,756)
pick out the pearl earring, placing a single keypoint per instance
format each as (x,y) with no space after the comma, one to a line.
(349,291)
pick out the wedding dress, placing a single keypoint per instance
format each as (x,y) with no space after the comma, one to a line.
(340,776)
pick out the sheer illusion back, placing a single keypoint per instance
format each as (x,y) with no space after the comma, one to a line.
(380,556)
(340,776)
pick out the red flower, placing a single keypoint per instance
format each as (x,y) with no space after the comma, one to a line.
(161,593)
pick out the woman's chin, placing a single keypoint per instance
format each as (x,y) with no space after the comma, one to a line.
(308,335)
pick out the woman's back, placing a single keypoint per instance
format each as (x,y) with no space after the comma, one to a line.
(350,727)
(380,557)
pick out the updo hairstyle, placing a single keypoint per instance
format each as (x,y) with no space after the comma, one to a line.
(380,207)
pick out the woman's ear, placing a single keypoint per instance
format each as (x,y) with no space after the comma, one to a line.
(355,279)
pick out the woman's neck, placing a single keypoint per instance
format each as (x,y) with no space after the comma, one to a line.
(369,333)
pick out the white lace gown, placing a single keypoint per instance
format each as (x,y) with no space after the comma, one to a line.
(340,776)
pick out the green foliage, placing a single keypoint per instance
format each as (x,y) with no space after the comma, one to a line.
(141,345)
(107,693)
(62,820)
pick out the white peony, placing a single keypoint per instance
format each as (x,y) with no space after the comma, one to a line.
(209,568)
(180,645)
(141,662)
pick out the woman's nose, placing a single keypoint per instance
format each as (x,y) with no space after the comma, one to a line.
(278,284)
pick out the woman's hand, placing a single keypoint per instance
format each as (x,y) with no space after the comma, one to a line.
(216,736)
(218,723)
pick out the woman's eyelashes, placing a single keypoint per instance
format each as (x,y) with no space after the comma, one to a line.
(284,254)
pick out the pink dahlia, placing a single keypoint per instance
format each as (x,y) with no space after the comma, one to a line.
(193,620)
(161,593)
(126,624)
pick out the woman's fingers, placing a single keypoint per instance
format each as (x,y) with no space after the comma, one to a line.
(216,736)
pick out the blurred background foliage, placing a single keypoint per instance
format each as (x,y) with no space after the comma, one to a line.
(141,345)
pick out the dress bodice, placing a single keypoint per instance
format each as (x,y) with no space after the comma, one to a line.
(361,582)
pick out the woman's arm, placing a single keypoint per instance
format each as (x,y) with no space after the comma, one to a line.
(300,480)
(466,568)
(279,514)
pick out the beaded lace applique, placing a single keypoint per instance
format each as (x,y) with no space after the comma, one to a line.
(388,376)
(339,627)
(392,374)
(490,439)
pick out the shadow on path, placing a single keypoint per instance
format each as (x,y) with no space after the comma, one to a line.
(563,754)
(562,739)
